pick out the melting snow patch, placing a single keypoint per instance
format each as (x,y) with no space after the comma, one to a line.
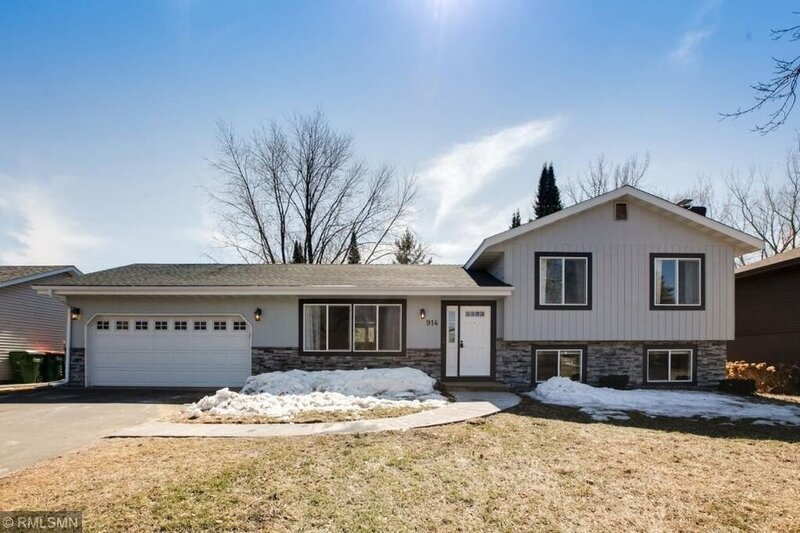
(284,394)
(605,404)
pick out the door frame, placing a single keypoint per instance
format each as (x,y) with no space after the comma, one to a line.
(492,304)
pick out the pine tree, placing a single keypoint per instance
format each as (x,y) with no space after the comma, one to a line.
(516,220)
(297,255)
(353,255)
(408,251)
(548,198)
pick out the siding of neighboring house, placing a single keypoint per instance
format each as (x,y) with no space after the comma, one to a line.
(29,321)
(620,280)
(768,317)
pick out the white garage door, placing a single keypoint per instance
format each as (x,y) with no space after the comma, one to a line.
(159,351)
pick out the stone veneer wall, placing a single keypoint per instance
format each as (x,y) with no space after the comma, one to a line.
(281,359)
(77,367)
(515,364)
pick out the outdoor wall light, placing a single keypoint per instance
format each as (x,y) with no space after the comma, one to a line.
(74,313)
(422,314)
(258,314)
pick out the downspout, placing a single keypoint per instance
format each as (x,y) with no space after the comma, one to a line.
(67,346)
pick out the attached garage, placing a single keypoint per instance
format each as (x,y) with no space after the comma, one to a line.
(168,351)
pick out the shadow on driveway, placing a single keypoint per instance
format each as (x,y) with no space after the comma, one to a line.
(44,423)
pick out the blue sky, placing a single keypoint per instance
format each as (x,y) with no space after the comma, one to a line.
(108,109)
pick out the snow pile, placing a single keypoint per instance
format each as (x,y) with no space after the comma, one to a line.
(605,404)
(283,394)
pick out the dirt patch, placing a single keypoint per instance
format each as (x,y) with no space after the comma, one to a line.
(536,467)
(305,417)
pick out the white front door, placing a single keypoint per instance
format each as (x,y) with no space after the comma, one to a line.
(468,341)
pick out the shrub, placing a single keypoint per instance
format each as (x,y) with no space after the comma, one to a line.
(780,378)
(738,386)
(616,381)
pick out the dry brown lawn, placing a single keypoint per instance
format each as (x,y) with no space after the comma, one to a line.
(303,417)
(536,467)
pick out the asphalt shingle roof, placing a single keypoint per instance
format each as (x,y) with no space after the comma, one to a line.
(12,272)
(226,275)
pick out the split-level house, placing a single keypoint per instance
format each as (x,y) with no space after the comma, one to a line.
(623,284)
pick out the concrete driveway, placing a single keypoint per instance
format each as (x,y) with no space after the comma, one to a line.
(46,423)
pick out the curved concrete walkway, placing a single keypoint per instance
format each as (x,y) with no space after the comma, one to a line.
(467,405)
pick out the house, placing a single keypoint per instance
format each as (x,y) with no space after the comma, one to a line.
(28,320)
(625,283)
(768,310)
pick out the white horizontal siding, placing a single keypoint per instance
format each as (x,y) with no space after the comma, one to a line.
(620,280)
(29,321)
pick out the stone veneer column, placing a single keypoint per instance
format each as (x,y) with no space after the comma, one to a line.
(77,367)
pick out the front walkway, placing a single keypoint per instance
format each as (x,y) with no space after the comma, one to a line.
(468,405)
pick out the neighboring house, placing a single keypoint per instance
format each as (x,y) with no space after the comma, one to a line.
(768,310)
(625,283)
(28,320)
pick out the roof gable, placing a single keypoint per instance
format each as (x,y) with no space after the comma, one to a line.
(742,242)
(16,274)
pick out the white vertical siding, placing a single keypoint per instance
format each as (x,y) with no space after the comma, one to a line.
(29,321)
(620,280)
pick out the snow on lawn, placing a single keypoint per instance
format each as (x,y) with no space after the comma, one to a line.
(283,394)
(605,404)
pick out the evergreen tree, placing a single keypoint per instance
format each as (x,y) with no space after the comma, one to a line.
(297,255)
(516,220)
(353,255)
(548,198)
(408,251)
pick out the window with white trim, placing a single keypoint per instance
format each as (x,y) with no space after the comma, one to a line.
(141,325)
(670,365)
(179,325)
(565,363)
(239,325)
(352,327)
(200,325)
(677,281)
(102,324)
(220,325)
(122,325)
(160,325)
(563,281)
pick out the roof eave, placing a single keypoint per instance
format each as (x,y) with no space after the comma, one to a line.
(40,275)
(74,290)
(743,242)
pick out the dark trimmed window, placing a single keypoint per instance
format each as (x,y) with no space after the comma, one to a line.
(677,281)
(669,365)
(563,281)
(565,362)
(352,327)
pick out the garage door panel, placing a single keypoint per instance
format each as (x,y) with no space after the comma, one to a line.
(168,357)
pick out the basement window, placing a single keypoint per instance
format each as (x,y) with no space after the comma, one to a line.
(564,363)
(670,366)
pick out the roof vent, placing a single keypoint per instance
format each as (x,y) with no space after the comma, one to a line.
(620,211)
(688,203)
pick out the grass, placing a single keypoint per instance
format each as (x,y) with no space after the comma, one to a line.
(303,417)
(536,467)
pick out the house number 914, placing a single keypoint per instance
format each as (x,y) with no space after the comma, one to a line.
(432,322)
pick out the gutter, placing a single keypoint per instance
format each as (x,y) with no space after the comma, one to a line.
(338,290)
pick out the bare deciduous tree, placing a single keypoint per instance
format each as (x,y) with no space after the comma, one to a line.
(767,210)
(603,176)
(780,90)
(303,183)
